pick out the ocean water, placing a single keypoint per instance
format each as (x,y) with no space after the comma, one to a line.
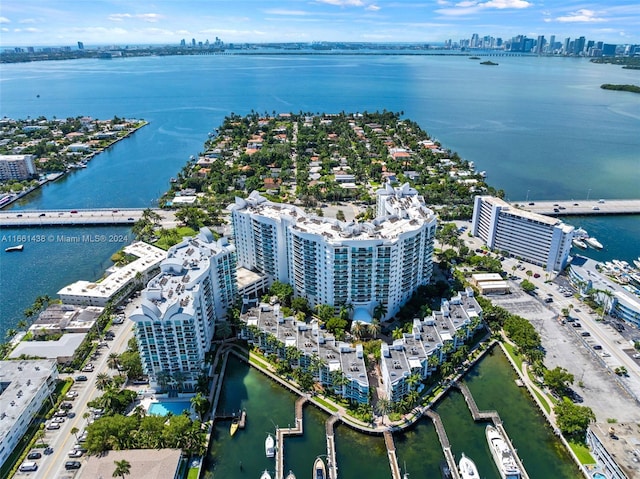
(541,128)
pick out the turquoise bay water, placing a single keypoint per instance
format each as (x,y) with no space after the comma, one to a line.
(540,127)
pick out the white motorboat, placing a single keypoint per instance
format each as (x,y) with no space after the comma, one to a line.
(291,475)
(265,475)
(578,243)
(467,468)
(270,446)
(594,243)
(503,455)
(319,469)
(19,247)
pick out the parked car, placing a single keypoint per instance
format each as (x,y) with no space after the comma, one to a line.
(34,455)
(53,426)
(69,465)
(597,347)
(75,453)
(585,333)
(66,405)
(59,420)
(81,378)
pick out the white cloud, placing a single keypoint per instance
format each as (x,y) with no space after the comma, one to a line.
(580,16)
(343,3)
(373,8)
(147,17)
(293,13)
(28,20)
(467,7)
(4,20)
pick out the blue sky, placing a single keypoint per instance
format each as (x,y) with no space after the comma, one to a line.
(64,22)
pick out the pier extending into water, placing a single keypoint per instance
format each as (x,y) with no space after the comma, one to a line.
(444,441)
(497,422)
(282,432)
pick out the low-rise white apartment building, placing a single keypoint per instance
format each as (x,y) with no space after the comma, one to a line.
(374,266)
(176,319)
(534,238)
(25,385)
(120,282)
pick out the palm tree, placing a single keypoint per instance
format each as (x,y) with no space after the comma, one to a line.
(200,405)
(103,380)
(433,361)
(383,407)
(397,333)
(358,328)
(374,328)
(113,360)
(123,468)
(413,380)
(74,431)
(379,311)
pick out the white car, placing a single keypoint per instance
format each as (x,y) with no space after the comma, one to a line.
(75,453)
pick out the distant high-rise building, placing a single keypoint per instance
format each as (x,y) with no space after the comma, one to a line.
(608,50)
(193,42)
(80,46)
(566,46)
(578,46)
(552,44)
(183,43)
(540,42)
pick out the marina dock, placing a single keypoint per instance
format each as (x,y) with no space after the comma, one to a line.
(332,463)
(282,432)
(580,207)
(391,452)
(444,442)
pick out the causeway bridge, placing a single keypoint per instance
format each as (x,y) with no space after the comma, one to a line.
(580,207)
(80,217)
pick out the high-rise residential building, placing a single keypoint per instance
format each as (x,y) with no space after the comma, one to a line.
(552,44)
(540,43)
(17,167)
(80,46)
(177,316)
(537,239)
(374,267)
(579,45)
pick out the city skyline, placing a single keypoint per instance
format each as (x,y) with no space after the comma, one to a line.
(39,23)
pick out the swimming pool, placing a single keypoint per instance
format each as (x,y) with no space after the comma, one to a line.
(598,475)
(163,408)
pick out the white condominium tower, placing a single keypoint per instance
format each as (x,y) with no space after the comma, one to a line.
(373,267)
(180,306)
(534,238)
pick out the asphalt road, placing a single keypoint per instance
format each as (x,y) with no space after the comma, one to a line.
(61,440)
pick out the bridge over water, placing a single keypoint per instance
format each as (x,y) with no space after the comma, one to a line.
(80,217)
(580,207)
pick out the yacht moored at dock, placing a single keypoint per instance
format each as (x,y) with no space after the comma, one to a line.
(503,455)
(468,469)
(10,249)
(265,475)
(291,475)
(578,243)
(319,469)
(270,446)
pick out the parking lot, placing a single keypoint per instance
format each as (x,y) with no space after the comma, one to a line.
(566,347)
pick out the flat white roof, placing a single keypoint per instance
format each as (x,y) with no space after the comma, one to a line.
(148,257)
(65,346)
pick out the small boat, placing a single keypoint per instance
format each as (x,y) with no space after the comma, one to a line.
(270,446)
(265,475)
(291,475)
(580,233)
(594,243)
(578,243)
(234,427)
(19,247)
(319,469)
(468,469)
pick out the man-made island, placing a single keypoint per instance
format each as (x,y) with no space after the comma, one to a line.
(629,88)
(340,278)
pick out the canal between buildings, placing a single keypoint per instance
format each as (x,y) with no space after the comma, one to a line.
(268,405)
